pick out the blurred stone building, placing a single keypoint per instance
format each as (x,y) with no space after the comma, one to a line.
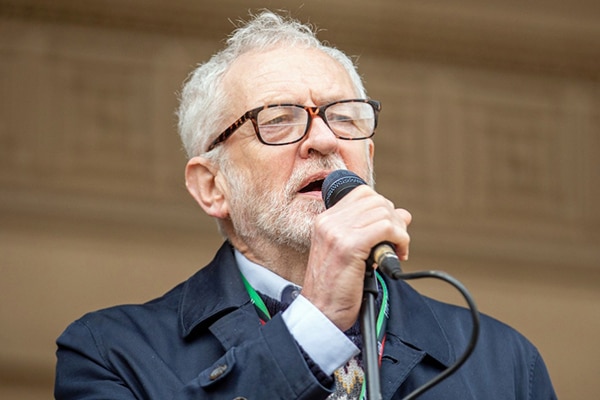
(489,135)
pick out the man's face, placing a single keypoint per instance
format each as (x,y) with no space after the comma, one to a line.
(273,194)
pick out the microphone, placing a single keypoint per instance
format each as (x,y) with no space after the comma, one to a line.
(338,184)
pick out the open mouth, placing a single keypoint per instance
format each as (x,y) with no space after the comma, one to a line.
(314,186)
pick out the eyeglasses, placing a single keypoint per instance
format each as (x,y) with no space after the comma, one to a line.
(280,124)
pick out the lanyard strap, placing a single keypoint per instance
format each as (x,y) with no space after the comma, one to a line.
(264,314)
(259,304)
(380,326)
(383,314)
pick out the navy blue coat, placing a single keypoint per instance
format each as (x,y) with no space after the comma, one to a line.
(203,340)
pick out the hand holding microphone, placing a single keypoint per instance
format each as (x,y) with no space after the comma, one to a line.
(343,239)
(337,185)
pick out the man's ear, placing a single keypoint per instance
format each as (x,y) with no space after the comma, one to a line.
(205,183)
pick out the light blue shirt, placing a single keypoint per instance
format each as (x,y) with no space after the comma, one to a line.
(326,345)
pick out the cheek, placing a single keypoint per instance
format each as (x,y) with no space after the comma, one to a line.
(270,167)
(358,158)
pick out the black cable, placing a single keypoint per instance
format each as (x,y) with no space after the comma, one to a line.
(338,184)
(474,331)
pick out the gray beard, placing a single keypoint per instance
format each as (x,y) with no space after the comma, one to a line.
(263,216)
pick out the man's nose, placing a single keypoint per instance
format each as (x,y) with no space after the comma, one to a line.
(319,138)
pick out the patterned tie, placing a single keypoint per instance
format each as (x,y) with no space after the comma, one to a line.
(348,381)
(349,378)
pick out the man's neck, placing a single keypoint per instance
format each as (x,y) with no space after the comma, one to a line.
(285,261)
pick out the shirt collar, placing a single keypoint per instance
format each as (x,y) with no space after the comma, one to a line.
(262,279)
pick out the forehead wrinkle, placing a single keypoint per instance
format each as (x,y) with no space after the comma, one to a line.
(297,89)
(306,77)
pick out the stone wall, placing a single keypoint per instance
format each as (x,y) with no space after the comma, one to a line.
(489,135)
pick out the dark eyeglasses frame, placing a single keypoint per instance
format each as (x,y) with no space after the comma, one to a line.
(312,113)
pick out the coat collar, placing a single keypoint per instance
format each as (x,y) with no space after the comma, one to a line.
(218,289)
(213,291)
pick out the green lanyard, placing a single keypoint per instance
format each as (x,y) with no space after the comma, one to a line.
(259,304)
(380,324)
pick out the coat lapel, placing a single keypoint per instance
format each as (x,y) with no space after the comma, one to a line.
(413,333)
(213,291)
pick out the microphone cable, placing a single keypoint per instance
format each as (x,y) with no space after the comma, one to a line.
(474,330)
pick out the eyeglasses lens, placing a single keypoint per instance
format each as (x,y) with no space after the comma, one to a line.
(286,124)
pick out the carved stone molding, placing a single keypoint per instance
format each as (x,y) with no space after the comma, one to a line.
(488,135)
(541,36)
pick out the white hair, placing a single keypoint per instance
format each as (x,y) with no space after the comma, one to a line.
(204,100)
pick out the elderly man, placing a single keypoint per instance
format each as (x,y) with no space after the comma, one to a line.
(264,122)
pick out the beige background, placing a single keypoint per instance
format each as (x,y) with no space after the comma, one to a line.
(490,136)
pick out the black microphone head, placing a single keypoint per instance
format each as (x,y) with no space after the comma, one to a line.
(338,184)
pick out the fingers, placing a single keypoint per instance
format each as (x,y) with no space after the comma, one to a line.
(402,247)
(364,218)
(343,237)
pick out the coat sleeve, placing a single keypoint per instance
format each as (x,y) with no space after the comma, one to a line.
(270,365)
(82,371)
(540,387)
